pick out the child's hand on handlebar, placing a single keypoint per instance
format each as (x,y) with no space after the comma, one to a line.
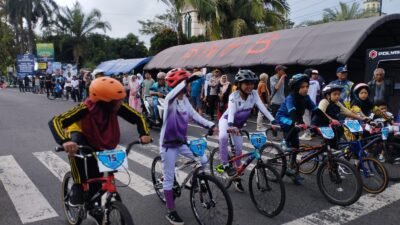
(234,131)
(145,139)
(302,126)
(335,123)
(70,147)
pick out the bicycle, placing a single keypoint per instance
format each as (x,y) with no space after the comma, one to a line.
(263,179)
(374,174)
(336,172)
(103,213)
(202,185)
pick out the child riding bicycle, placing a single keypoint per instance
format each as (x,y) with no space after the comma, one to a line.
(177,113)
(96,125)
(241,103)
(290,116)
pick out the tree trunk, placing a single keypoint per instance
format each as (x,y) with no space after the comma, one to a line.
(179,31)
(31,38)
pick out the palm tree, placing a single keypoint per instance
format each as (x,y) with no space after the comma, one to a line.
(276,15)
(75,23)
(346,12)
(13,9)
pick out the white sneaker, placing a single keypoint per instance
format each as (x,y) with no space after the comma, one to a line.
(261,129)
(306,137)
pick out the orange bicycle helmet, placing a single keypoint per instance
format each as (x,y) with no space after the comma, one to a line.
(106,89)
(175,76)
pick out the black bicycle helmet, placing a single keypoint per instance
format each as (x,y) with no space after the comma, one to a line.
(331,88)
(245,76)
(298,79)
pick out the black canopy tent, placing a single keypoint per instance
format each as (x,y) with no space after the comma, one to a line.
(323,46)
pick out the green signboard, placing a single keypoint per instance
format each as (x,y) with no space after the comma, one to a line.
(45,50)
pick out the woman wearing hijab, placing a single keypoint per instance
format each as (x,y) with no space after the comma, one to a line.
(134,96)
(360,102)
(224,90)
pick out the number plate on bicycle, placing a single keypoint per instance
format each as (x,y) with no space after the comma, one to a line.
(353,125)
(257,139)
(111,160)
(198,146)
(327,132)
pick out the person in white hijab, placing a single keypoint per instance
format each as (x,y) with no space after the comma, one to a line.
(134,94)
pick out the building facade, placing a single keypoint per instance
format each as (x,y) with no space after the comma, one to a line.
(372,7)
(191,25)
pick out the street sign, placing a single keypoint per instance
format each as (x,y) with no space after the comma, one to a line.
(25,64)
(45,51)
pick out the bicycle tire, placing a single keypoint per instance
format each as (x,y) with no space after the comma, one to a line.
(378,171)
(156,177)
(126,218)
(65,190)
(214,162)
(254,174)
(205,180)
(350,169)
(277,159)
(310,166)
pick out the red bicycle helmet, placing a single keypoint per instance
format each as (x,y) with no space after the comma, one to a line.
(175,76)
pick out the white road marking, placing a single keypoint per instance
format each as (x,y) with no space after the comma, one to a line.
(28,201)
(337,215)
(59,167)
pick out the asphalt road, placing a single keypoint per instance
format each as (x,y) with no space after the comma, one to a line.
(30,178)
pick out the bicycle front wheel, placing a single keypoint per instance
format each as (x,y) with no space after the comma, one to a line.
(216,169)
(311,165)
(118,214)
(157,177)
(373,175)
(210,202)
(267,190)
(74,215)
(272,154)
(339,182)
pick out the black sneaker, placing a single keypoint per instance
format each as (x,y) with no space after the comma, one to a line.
(231,172)
(174,218)
(238,186)
(75,196)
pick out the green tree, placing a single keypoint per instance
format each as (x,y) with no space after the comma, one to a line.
(75,23)
(162,40)
(159,23)
(345,12)
(129,47)
(32,12)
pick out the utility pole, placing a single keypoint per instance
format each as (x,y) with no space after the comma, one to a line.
(380,9)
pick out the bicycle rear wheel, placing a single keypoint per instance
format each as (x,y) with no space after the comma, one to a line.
(268,195)
(339,182)
(157,177)
(216,169)
(272,154)
(210,202)
(74,215)
(311,165)
(118,214)
(373,175)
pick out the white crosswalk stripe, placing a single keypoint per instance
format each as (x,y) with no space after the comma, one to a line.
(59,167)
(28,201)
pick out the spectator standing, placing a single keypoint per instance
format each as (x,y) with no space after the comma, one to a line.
(37,84)
(27,83)
(313,91)
(125,82)
(75,89)
(196,90)
(134,94)
(278,88)
(21,85)
(263,92)
(49,85)
(212,92)
(224,90)
(380,89)
(342,74)
(147,84)
(67,85)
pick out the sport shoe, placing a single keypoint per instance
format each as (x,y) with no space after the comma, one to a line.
(76,196)
(261,129)
(298,180)
(381,158)
(306,137)
(174,218)
(238,186)
(229,171)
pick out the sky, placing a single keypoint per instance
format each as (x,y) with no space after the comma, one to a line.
(124,14)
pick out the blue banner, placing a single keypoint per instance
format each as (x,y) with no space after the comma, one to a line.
(25,64)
